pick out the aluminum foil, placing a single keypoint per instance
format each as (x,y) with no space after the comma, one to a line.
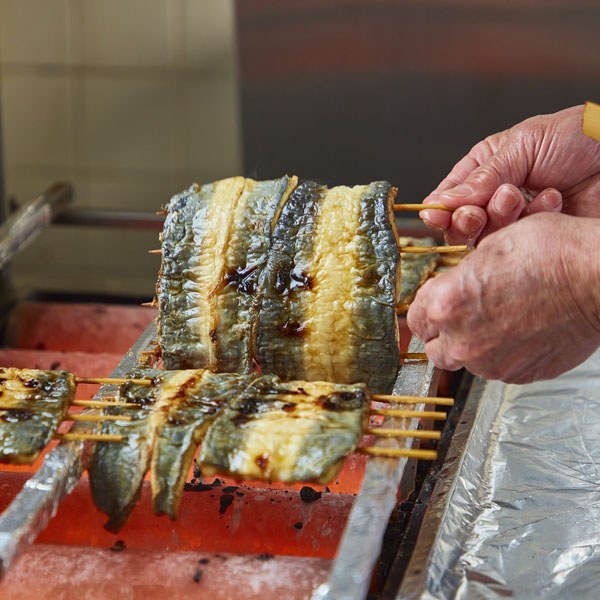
(522,517)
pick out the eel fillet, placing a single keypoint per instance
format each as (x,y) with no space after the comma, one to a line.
(34,403)
(294,431)
(214,245)
(330,287)
(416,268)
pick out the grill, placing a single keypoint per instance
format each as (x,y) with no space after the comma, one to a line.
(297,541)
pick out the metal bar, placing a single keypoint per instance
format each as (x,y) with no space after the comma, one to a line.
(27,223)
(117,219)
(415,578)
(362,540)
(38,501)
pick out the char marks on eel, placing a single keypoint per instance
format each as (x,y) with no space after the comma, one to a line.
(294,431)
(330,288)
(37,401)
(284,284)
(303,279)
(214,245)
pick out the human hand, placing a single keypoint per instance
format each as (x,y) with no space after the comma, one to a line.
(547,154)
(523,306)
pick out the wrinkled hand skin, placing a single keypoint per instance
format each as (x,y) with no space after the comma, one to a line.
(524,306)
(546,154)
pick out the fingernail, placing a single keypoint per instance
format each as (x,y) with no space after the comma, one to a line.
(469,223)
(506,201)
(551,199)
(460,191)
(424,216)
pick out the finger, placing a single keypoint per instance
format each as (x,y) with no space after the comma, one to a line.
(467,224)
(435,219)
(479,154)
(438,353)
(417,319)
(549,200)
(504,208)
(508,165)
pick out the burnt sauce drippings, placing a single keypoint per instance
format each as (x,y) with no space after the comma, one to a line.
(292,279)
(243,279)
(16,416)
(262,461)
(300,279)
(336,401)
(292,329)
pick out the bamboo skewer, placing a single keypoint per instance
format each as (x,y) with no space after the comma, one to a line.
(420,433)
(414,399)
(112,380)
(422,207)
(398,452)
(95,418)
(413,355)
(157,251)
(433,249)
(95,437)
(151,304)
(102,404)
(409,414)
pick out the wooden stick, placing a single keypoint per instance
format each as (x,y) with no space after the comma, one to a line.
(402,307)
(162,212)
(152,304)
(441,401)
(112,380)
(422,207)
(95,418)
(96,437)
(591,121)
(432,249)
(101,404)
(409,414)
(397,452)
(413,355)
(157,251)
(420,433)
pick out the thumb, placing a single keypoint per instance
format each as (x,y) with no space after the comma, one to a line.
(510,164)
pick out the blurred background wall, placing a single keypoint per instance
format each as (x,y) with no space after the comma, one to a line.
(133,100)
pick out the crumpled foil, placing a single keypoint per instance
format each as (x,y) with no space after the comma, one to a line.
(523,517)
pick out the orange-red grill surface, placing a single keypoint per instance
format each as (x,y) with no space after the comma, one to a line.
(251,525)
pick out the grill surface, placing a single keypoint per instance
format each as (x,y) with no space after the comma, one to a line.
(266,530)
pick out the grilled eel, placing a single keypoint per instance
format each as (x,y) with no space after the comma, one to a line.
(249,426)
(328,292)
(163,434)
(294,431)
(191,411)
(214,246)
(416,268)
(34,402)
